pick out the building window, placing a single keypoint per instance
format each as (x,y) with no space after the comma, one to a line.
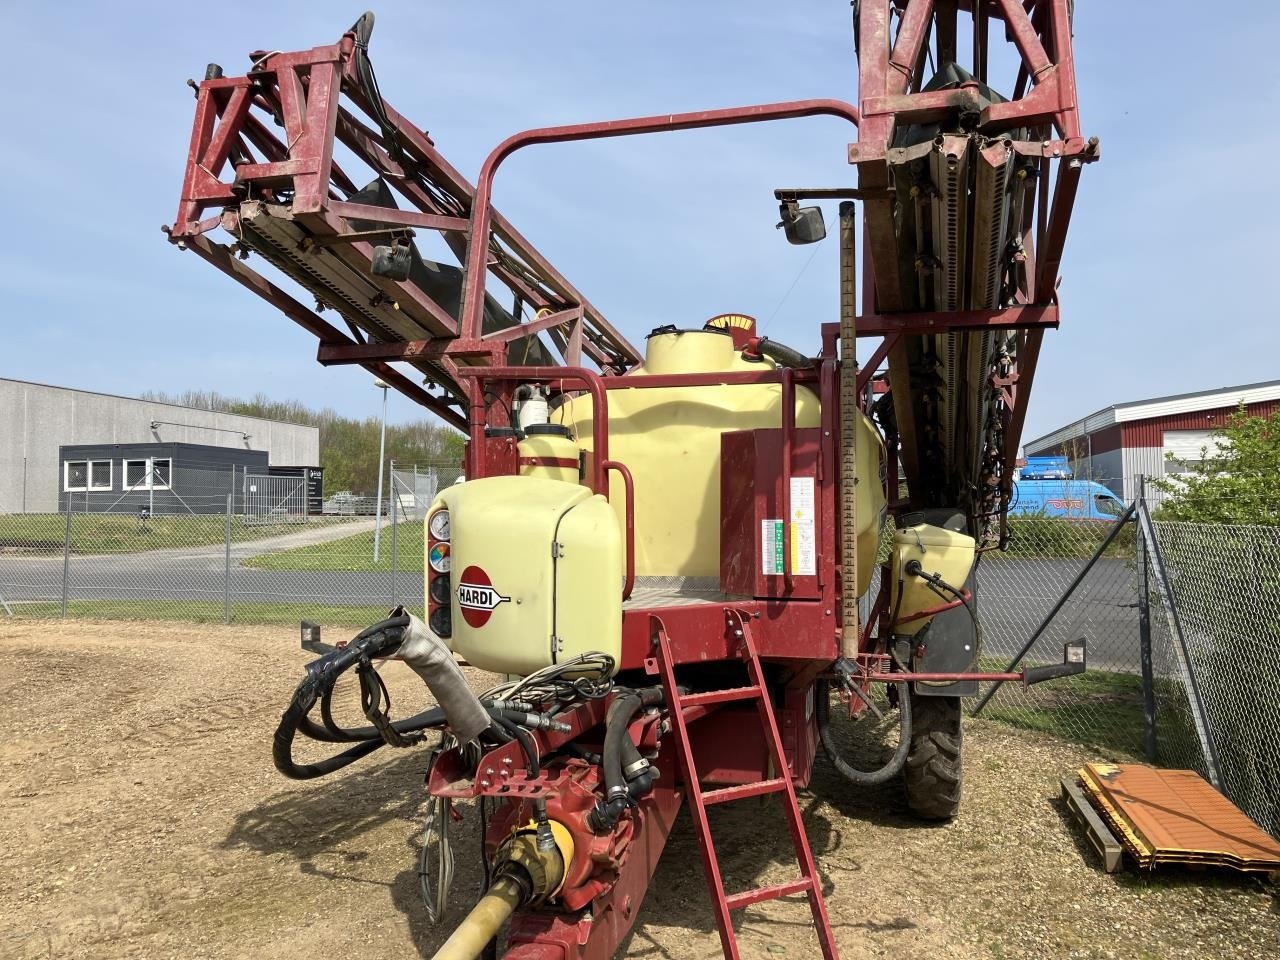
(135,474)
(151,474)
(100,475)
(86,475)
(74,475)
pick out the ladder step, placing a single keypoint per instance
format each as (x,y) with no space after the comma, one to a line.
(746,898)
(720,696)
(744,790)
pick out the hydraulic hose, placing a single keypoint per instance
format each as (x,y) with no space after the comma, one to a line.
(379,640)
(621,755)
(863,778)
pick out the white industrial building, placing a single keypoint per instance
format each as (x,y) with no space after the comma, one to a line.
(37,419)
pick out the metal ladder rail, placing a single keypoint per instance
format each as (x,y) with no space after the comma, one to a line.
(808,883)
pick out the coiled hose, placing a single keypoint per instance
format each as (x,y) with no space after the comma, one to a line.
(863,778)
(379,640)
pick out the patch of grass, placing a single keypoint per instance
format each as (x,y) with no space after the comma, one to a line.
(1058,537)
(1099,709)
(351,553)
(208,611)
(114,533)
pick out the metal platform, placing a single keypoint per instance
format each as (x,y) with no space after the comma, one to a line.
(653,592)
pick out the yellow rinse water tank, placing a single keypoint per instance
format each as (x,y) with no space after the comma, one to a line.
(669,437)
(549,450)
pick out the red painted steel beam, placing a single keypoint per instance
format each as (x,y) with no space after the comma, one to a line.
(873,362)
(336,354)
(482,215)
(408,218)
(1015,317)
(536,325)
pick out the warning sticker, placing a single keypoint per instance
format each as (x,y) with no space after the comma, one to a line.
(771,552)
(804,553)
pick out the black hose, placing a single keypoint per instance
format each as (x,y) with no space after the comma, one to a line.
(863,778)
(784,355)
(378,640)
(620,753)
(532,763)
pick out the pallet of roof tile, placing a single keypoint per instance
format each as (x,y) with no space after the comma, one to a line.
(1176,817)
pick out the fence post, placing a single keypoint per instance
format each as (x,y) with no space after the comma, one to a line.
(226,567)
(1144,629)
(395,537)
(1199,715)
(66,556)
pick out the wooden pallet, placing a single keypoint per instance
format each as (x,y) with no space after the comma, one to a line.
(1096,830)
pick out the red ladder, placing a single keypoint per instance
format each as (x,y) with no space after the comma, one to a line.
(699,799)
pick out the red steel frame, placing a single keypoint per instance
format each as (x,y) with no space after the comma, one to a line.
(305,90)
(315,96)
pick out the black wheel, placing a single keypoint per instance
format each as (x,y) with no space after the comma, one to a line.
(934,773)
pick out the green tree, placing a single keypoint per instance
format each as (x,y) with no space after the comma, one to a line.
(1236,482)
(348,447)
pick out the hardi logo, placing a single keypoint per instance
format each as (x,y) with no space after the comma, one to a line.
(477,598)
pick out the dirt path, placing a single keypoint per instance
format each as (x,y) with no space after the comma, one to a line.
(141,817)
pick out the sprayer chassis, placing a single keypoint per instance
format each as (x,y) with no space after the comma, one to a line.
(317,97)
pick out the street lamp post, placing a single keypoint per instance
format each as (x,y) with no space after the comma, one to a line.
(382,450)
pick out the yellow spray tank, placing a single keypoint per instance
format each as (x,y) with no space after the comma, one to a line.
(947,554)
(669,438)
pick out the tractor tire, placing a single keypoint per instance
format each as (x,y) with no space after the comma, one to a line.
(934,771)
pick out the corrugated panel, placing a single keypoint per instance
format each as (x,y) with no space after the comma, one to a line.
(1175,816)
(1227,397)
(1145,460)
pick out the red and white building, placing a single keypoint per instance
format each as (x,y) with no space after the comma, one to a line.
(1118,443)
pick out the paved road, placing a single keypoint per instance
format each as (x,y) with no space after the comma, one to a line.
(1014,594)
(199,573)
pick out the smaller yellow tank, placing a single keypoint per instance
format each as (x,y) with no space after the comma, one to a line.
(947,553)
(549,450)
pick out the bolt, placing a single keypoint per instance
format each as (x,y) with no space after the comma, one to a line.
(506,761)
(484,784)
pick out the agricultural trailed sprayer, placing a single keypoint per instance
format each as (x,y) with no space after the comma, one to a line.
(663,551)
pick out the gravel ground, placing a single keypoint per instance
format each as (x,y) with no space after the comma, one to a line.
(142,818)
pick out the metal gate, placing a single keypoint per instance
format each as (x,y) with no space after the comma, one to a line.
(273,499)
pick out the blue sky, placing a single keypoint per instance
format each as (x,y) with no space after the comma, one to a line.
(1165,283)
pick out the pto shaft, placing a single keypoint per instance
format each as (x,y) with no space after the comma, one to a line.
(482,923)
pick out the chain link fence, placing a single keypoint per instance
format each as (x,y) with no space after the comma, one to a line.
(1029,610)
(1223,597)
(240,555)
(1182,620)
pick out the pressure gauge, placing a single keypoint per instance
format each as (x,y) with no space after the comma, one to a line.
(438,557)
(439,525)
